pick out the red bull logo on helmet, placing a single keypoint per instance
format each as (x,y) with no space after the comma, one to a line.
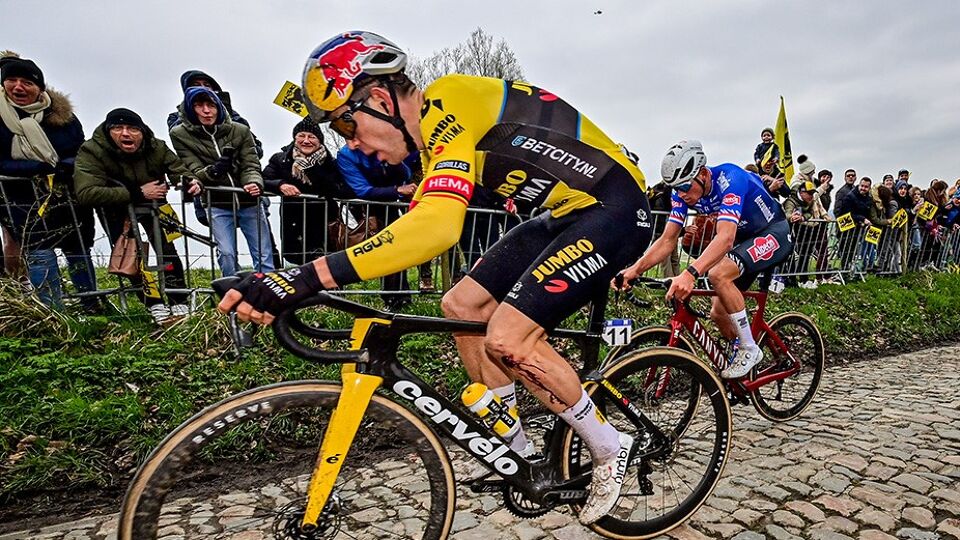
(329,81)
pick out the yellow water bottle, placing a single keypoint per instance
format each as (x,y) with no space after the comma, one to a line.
(482,401)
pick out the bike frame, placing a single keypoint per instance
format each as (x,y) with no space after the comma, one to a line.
(686,318)
(376,340)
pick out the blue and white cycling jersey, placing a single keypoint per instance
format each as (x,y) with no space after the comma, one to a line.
(737,196)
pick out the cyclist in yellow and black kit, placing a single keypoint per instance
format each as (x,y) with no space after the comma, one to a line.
(522,142)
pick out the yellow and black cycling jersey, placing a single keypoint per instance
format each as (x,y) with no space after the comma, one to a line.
(518,140)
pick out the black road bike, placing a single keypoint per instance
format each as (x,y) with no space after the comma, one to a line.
(251,462)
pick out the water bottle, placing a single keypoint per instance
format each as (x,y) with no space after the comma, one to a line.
(485,404)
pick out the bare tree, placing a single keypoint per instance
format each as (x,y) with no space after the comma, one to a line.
(478,55)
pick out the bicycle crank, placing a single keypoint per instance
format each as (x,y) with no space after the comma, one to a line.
(519,505)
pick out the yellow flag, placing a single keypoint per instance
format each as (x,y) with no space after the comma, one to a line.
(151,288)
(782,138)
(873,235)
(170,222)
(899,219)
(845,222)
(927,210)
(291,99)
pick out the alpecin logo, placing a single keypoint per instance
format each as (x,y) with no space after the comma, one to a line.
(763,248)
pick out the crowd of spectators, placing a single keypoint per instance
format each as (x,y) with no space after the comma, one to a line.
(124,173)
(57,178)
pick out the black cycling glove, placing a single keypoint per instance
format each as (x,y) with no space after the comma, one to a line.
(275,292)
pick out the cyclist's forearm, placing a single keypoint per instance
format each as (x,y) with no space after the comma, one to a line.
(716,250)
(414,238)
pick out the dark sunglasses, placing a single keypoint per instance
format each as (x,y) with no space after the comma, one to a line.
(345,125)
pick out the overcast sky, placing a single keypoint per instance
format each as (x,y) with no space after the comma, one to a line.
(870,85)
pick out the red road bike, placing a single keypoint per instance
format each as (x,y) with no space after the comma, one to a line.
(781,387)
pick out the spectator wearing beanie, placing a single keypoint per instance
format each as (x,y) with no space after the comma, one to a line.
(305,166)
(767,150)
(122,164)
(39,136)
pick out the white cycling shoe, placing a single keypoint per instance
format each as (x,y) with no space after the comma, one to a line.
(606,483)
(473,470)
(743,362)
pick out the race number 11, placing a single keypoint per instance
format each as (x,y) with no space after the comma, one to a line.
(617,331)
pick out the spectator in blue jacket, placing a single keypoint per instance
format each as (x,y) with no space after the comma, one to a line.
(375,180)
(40,136)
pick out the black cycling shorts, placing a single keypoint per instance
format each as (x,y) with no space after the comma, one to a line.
(549,267)
(766,250)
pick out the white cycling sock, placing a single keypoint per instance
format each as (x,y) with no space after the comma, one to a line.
(742,321)
(508,396)
(601,438)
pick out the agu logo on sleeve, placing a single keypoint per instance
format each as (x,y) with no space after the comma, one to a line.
(763,248)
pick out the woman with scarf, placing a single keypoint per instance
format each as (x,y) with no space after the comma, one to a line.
(39,137)
(305,167)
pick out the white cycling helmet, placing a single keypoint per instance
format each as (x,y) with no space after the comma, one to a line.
(682,164)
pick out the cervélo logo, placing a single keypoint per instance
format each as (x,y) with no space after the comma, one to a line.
(490,449)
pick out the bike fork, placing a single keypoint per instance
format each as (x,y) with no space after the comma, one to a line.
(358,389)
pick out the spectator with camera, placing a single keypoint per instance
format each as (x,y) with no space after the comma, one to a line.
(305,167)
(222,153)
(123,164)
(39,137)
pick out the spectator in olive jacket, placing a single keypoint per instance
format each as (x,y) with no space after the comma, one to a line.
(123,163)
(221,153)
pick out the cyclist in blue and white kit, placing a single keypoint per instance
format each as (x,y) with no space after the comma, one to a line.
(752,235)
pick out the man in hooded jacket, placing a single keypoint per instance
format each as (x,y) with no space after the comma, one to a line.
(222,153)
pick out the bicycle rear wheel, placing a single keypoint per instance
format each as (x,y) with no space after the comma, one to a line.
(800,340)
(661,491)
(244,464)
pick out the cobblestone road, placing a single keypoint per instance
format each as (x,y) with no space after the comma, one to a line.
(876,456)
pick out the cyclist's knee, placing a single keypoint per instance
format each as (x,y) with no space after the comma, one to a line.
(466,302)
(723,273)
(508,346)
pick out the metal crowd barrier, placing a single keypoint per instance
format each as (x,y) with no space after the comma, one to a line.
(305,227)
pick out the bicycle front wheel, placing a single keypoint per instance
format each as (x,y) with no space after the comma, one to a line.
(663,490)
(244,464)
(795,340)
